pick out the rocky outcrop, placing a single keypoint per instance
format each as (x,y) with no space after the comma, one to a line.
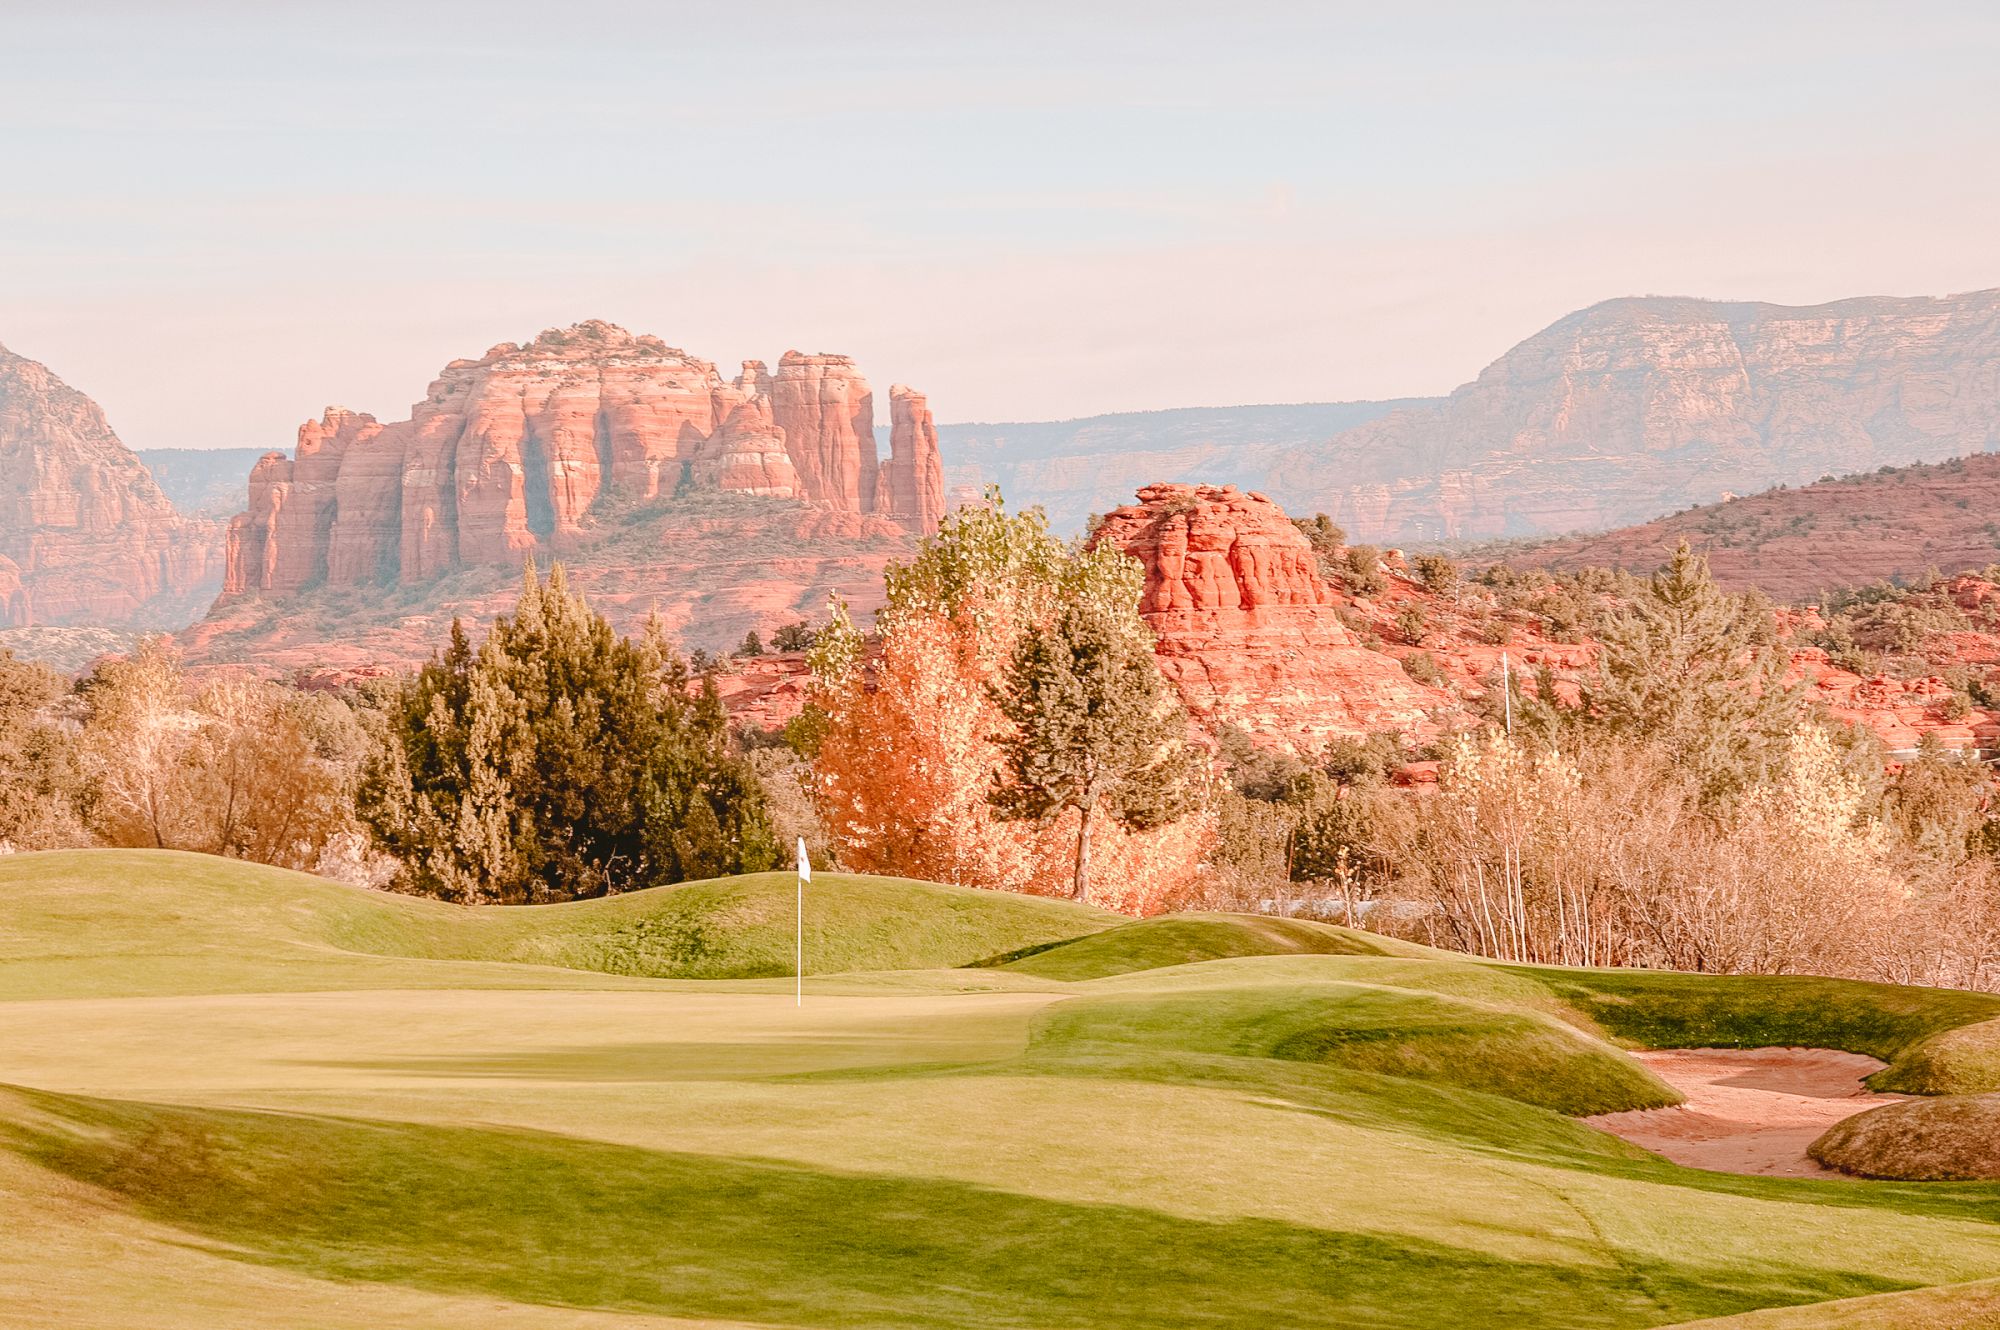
(510,455)
(1246,628)
(1636,407)
(911,486)
(85,534)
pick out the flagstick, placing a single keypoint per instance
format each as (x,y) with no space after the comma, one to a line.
(799,930)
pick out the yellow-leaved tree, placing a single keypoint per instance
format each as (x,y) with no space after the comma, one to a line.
(910,739)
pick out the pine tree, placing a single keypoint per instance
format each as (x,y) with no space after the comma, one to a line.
(1695,669)
(1094,726)
(560,761)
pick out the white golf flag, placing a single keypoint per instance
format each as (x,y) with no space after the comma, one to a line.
(805,864)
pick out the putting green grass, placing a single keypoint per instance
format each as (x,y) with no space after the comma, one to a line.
(232,1097)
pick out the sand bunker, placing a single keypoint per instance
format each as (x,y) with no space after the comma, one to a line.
(1749,1110)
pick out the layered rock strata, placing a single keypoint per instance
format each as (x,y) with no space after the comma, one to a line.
(1246,628)
(515,453)
(86,536)
(1632,408)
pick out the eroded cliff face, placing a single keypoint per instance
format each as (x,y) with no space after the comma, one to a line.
(86,537)
(1636,407)
(1246,628)
(513,453)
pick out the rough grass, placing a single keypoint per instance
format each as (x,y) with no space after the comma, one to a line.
(1956,1138)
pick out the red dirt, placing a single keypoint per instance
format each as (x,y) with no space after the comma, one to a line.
(1749,1110)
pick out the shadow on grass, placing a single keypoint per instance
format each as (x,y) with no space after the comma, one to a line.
(550,1219)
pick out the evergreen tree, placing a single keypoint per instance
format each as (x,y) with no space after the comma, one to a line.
(1094,726)
(559,761)
(1696,670)
(753,645)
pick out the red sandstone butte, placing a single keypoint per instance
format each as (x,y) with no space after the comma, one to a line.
(1246,628)
(86,536)
(509,455)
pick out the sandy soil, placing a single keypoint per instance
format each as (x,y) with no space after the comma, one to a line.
(1749,1110)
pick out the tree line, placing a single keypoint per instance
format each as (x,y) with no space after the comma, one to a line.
(1005,725)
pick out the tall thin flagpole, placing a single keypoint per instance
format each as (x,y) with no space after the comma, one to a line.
(799,931)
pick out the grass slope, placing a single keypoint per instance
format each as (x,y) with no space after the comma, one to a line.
(114,922)
(1182,939)
(251,1099)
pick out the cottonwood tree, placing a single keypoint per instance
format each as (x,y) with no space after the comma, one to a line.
(558,761)
(1094,727)
(241,767)
(904,732)
(38,759)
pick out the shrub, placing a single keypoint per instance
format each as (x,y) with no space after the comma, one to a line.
(1412,623)
(1424,668)
(1439,574)
(793,637)
(1363,571)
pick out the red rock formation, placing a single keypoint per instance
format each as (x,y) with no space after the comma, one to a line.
(1636,407)
(828,415)
(910,489)
(1247,629)
(747,454)
(509,454)
(85,534)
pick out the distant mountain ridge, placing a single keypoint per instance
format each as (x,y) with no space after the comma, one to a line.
(1074,468)
(1891,525)
(86,536)
(1639,406)
(202,482)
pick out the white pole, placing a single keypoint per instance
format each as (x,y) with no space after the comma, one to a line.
(799,930)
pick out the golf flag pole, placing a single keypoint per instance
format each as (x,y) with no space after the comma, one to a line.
(799,929)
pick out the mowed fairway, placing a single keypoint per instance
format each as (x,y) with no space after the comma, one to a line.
(232,1096)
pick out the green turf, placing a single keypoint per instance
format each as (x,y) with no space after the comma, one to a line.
(136,922)
(1936,1041)
(1182,939)
(1395,1032)
(253,1099)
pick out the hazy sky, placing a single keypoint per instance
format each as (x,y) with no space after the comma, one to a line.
(217,218)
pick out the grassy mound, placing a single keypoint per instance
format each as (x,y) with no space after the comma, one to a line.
(118,922)
(1185,939)
(1964,1059)
(1956,1138)
(1520,1055)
